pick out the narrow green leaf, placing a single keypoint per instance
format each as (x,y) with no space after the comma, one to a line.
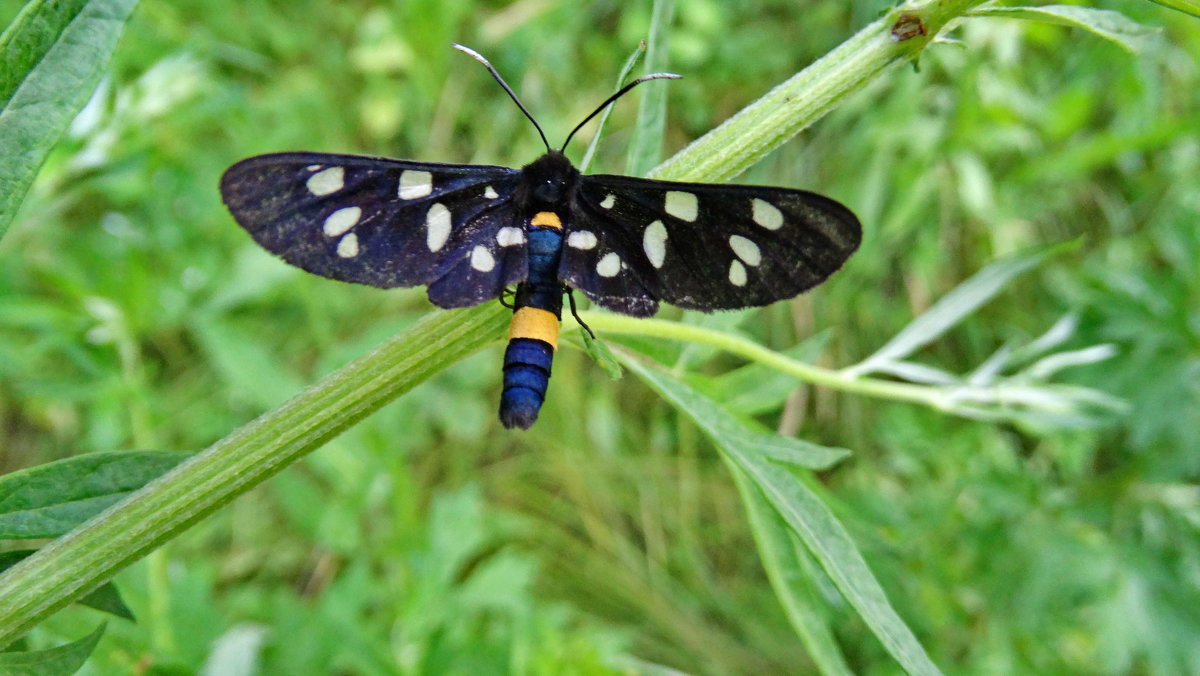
(1191,7)
(807,517)
(625,71)
(727,430)
(954,306)
(51,499)
(62,660)
(789,579)
(599,352)
(646,145)
(789,450)
(105,598)
(1049,365)
(1108,24)
(51,58)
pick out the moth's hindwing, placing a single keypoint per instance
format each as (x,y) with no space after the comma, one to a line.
(632,242)
(385,223)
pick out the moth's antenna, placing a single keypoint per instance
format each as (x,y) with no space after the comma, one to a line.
(614,97)
(491,69)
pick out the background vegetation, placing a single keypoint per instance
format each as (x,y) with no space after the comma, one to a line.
(136,314)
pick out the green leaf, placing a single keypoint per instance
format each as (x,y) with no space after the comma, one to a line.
(51,58)
(788,450)
(727,430)
(646,144)
(1114,26)
(105,598)
(1191,7)
(62,660)
(781,557)
(802,510)
(954,306)
(599,352)
(49,500)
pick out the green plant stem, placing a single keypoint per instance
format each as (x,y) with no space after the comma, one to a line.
(802,99)
(88,556)
(609,323)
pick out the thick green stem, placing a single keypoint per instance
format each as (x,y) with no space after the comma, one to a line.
(91,554)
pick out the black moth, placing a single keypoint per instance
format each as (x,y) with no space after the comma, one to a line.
(469,232)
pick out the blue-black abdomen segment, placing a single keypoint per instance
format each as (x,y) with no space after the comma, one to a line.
(534,332)
(526,376)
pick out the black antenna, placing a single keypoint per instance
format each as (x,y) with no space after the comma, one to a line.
(479,57)
(614,97)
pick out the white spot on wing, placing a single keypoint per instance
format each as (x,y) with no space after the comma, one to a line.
(341,220)
(609,265)
(737,274)
(490,193)
(481,259)
(609,201)
(654,242)
(348,246)
(681,204)
(325,182)
(745,249)
(313,167)
(510,236)
(766,215)
(414,184)
(437,225)
(582,240)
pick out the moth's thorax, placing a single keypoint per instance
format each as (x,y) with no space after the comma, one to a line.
(547,183)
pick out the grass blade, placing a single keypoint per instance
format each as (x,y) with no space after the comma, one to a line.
(646,145)
(625,71)
(51,59)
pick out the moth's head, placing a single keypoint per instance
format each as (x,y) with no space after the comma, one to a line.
(547,180)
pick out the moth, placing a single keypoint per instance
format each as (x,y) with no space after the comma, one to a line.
(468,232)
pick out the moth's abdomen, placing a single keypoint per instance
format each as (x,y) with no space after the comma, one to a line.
(532,338)
(533,334)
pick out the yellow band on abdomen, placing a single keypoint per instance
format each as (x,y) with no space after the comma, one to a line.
(532,322)
(547,219)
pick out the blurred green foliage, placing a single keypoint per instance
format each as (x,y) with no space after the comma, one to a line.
(135,314)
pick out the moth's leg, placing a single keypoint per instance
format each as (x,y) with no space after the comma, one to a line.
(575,312)
(505,298)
